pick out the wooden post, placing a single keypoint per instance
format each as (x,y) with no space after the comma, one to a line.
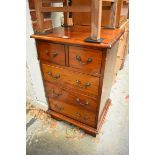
(118,10)
(113,15)
(96,7)
(39,15)
(96,15)
(66,14)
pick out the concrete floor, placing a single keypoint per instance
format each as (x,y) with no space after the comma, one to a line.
(46,136)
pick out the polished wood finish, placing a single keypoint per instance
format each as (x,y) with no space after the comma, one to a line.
(70,97)
(88,129)
(78,75)
(78,88)
(70,79)
(76,112)
(77,34)
(86,59)
(51,52)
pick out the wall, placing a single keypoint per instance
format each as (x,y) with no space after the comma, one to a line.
(34,89)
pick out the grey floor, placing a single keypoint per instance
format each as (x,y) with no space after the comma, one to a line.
(46,136)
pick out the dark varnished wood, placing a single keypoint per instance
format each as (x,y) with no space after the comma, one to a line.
(67,78)
(51,52)
(93,66)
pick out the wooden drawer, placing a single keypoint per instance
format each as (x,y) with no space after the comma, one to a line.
(86,59)
(51,52)
(72,111)
(73,80)
(56,93)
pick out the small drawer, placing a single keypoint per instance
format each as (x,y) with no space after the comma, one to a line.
(86,59)
(56,93)
(73,80)
(72,111)
(51,52)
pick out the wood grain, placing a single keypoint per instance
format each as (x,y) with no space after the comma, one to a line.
(88,129)
(51,52)
(66,9)
(39,15)
(69,79)
(96,14)
(85,54)
(80,100)
(77,34)
(75,112)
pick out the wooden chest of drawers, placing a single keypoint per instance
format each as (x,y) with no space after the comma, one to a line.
(78,76)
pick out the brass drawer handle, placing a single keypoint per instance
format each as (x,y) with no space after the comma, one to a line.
(46,52)
(58,108)
(55,77)
(54,94)
(54,54)
(83,104)
(85,118)
(78,58)
(87,84)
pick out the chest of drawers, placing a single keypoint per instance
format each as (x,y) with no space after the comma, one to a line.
(77,75)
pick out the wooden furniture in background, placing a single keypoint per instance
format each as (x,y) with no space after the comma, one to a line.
(114,13)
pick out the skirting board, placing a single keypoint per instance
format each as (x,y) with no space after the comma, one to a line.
(41,105)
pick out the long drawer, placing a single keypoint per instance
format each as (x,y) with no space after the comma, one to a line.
(72,111)
(56,93)
(67,78)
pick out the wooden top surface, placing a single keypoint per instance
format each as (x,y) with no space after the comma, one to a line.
(77,34)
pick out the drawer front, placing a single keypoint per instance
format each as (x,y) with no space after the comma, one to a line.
(56,93)
(73,80)
(72,111)
(51,52)
(86,59)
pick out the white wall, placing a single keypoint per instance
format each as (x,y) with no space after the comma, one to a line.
(34,89)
